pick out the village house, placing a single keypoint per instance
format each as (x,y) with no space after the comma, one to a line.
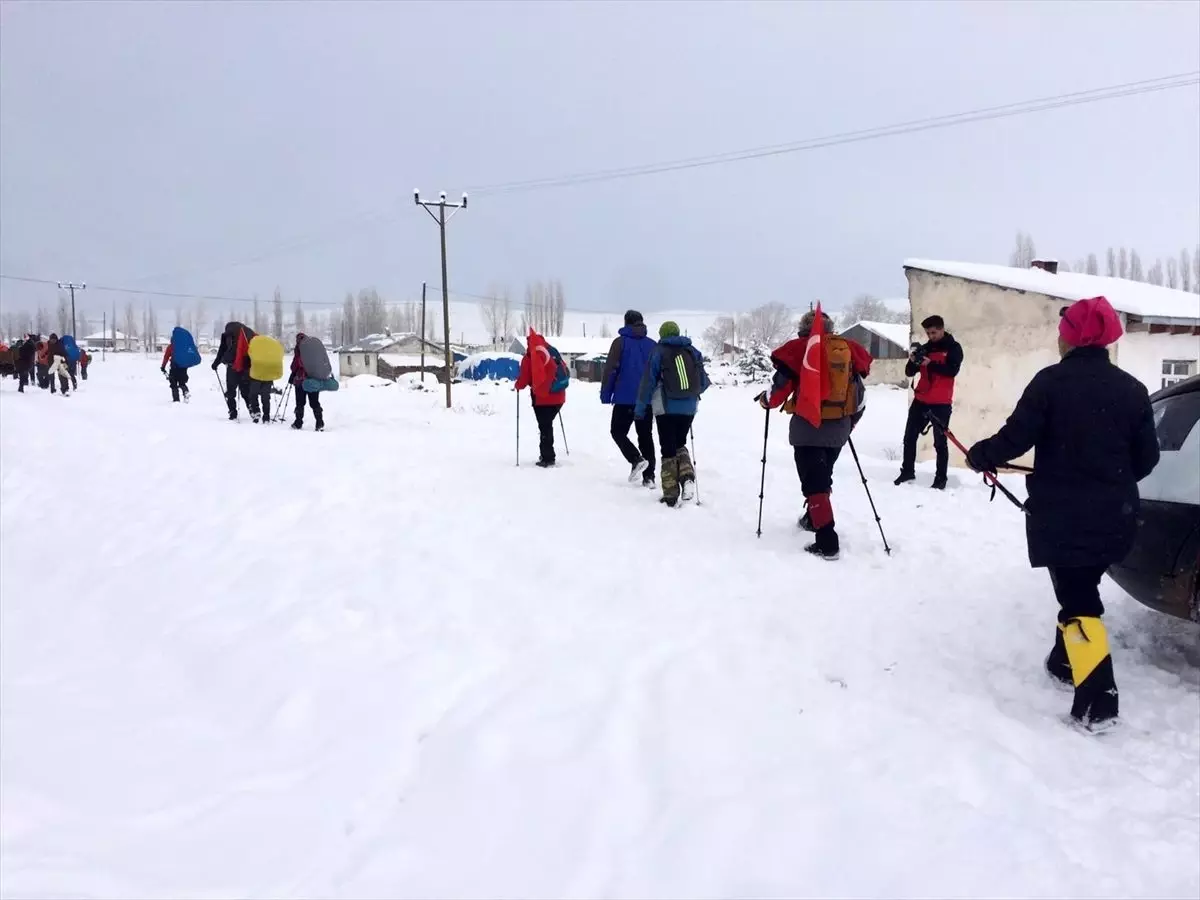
(391,355)
(888,343)
(1007,322)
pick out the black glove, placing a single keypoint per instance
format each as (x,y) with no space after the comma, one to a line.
(978,461)
(761,399)
(215,364)
(163,369)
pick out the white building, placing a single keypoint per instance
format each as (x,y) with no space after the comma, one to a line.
(887,342)
(571,348)
(1007,322)
(389,355)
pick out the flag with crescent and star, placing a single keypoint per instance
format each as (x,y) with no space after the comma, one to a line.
(814,373)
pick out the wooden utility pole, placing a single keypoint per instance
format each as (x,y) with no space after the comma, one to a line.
(68,286)
(440,218)
(422,332)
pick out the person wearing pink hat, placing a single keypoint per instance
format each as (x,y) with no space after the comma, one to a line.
(1092,431)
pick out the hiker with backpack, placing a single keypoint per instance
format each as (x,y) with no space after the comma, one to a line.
(42,360)
(545,373)
(56,357)
(825,394)
(85,359)
(671,385)
(311,365)
(232,352)
(182,354)
(1092,430)
(627,358)
(72,352)
(266,367)
(26,352)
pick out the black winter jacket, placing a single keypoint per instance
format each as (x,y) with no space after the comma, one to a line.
(1092,431)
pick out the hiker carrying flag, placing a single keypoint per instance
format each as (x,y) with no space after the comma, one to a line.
(545,374)
(819,380)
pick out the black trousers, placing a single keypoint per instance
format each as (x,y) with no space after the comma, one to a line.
(177,377)
(545,416)
(43,376)
(236,383)
(24,377)
(673,433)
(83,372)
(918,416)
(71,370)
(1078,591)
(814,465)
(314,400)
(62,383)
(622,418)
(258,397)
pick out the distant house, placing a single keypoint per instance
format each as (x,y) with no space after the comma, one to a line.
(1007,322)
(391,355)
(571,348)
(888,344)
(591,368)
(107,340)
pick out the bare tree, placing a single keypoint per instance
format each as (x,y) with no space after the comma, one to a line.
(768,324)
(560,308)
(130,328)
(200,317)
(1135,267)
(300,324)
(1024,252)
(867,308)
(1185,270)
(718,334)
(1154,275)
(1111,263)
(1092,266)
(349,320)
(152,326)
(506,314)
(41,322)
(64,315)
(1196,269)
(1172,273)
(489,312)
(1123,264)
(277,315)
(260,321)
(371,315)
(605,330)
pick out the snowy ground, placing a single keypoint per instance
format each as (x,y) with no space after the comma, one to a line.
(238,661)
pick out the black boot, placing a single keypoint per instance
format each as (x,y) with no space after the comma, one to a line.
(297,425)
(905,476)
(826,546)
(939,482)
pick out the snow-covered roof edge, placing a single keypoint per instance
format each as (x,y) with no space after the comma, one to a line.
(892,331)
(1133,298)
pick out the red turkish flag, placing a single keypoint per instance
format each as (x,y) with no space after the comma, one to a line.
(814,374)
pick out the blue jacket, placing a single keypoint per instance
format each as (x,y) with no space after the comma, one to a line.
(650,390)
(626,363)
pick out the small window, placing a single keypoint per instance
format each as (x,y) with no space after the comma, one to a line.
(1174,419)
(367,360)
(1177,370)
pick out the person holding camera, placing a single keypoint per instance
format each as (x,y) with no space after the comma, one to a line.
(936,363)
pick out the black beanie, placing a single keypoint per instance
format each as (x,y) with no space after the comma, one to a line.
(633,317)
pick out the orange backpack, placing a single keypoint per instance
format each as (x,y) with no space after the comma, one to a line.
(843,395)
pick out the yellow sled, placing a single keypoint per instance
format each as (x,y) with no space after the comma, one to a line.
(266,358)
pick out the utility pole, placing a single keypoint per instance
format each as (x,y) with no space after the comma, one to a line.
(422,332)
(441,219)
(103,331)
(68,286)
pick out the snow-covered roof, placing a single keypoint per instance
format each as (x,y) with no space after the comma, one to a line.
(106,336)
(411,359)
(569,345)
(373,343)
(891,331)
(1135,298)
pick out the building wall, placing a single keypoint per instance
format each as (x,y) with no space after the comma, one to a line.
(1141,354)
(1007,337)
(888,371)
(356,363)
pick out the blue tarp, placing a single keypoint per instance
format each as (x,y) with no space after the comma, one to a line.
(496,367)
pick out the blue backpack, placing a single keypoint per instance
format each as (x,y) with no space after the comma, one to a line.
(562,375)
(183,349)
(70,348)
(316,385)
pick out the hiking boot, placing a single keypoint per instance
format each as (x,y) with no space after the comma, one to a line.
(939,483)
(297,425)
(805,523)
(255,418)
(636,471)
(826,546)
(686,471)
(320,426)
(670,501)
(187,398)
(905,477)
(233,417)
(648,481)
(541,463)
(1085,640)
(687,490)
(670,480)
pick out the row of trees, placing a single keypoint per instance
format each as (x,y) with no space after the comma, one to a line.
(766,325)
(1181,272)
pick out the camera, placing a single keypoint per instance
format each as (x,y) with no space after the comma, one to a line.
(917,352)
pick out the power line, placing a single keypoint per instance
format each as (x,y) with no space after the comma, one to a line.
(1026,107)
(170,294)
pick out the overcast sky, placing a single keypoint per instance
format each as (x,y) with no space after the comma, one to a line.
(154,144)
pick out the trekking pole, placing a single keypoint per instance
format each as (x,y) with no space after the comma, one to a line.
(281,414)
(763,482)
(217,375)
(870,499)
(695,480)
(566,446)
(989,477)
(518,396)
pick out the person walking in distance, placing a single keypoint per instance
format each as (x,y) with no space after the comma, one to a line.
(673,380)
(627,358)
(313,398)
(545,374)
(85,360)
(819,380)
(1092,431)
(936,363)
(234,353)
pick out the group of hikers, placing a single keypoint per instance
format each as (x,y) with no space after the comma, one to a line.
(52,363)
(1090,424)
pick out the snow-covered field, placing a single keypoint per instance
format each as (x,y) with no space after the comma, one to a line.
(383,661)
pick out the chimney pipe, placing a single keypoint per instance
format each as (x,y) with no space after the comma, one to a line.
(1046,265)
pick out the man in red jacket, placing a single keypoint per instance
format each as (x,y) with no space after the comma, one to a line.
(540,369)
(937,361)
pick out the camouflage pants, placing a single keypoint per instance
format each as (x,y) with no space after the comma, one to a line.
(677,466)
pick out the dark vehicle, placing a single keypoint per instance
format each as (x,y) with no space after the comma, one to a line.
(1161,571)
